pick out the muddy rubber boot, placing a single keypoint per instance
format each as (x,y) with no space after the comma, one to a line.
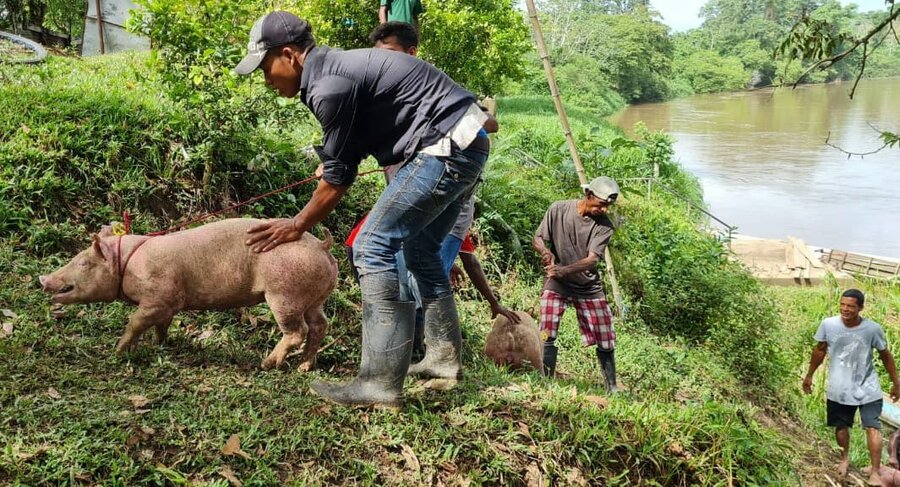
(607,359)
(550,352)
(443,342)
(387,331)
(418,352)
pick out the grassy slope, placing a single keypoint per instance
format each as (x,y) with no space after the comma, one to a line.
(66,416)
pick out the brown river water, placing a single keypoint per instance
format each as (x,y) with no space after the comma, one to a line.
(765,168)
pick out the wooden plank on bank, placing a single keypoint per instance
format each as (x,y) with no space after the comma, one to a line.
(804,251)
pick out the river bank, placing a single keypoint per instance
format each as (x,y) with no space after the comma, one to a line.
(764,166)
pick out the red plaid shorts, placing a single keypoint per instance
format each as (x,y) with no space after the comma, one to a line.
(594,318)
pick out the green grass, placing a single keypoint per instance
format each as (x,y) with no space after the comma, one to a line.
(66,417)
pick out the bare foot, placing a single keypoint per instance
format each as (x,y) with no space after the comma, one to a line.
(842,467)
(874,479)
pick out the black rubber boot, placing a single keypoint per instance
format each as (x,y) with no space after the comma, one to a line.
(387,331)
(443,341)
(550,352)
(607,359)
(418,352)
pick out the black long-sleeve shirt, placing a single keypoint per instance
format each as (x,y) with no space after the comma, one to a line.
(377,102)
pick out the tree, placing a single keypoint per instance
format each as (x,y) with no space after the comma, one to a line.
(819,41)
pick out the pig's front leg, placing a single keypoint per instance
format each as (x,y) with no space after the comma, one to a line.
(140,321)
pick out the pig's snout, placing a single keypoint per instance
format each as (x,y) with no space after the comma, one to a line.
(43,280)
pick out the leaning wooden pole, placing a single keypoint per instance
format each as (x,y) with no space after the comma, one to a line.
(570,140)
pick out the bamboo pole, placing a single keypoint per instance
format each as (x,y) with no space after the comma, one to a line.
(570,140)
(100,26)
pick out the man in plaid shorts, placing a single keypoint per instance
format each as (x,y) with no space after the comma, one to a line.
(578,231)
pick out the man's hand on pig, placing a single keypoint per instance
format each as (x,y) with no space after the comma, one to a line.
(266,236)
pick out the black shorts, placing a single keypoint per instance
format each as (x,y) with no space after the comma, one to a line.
(841,415)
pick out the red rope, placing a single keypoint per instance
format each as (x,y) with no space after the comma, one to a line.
(200,218)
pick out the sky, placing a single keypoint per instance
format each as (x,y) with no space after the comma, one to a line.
(681,15)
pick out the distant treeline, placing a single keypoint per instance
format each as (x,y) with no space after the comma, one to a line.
(629,50)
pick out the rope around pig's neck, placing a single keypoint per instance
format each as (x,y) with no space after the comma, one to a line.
(120,266)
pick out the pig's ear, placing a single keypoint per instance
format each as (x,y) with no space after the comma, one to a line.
(102,249)
(107,230)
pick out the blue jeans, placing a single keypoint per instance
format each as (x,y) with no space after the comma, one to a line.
(415,212)
(449,250)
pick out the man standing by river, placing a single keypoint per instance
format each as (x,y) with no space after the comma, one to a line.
(852,381)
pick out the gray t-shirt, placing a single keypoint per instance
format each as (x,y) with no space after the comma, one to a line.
(572,237)
(851,373)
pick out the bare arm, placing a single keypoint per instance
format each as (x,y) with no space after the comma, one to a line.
(476,274)
(818,356)
(582,265)
(891,368)
(382,14)
(491,125)
(542,250)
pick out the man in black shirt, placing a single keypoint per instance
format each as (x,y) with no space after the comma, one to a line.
(397,109)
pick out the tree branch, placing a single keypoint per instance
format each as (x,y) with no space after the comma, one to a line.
(859,154)
(830,61)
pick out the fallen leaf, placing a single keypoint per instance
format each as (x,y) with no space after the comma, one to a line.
(233,447)
(147,454)
(148,430)
(27,278)
(206,334)
(53,393)
(410,456)
(533,477)
(9,314)
(449,467)
(229,475)
(138,401)
(253,320)
(133,440)
(29,456)
(573,393)
(26,129)
(523,428)
(6,330)
(84,477)
(676,449)
(141,411)
(600,402)
(323,410)
(81,313)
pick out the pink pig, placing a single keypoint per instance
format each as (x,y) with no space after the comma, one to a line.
(207,267)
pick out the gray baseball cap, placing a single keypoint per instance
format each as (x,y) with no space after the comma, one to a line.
(272,30)
(604,188)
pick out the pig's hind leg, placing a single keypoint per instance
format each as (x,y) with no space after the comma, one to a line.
(289,315)
(140,321)
(318,326)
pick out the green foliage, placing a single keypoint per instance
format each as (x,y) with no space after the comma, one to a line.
(73,123)
(709,72)
(631,51)
(478,43)
(59,16)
